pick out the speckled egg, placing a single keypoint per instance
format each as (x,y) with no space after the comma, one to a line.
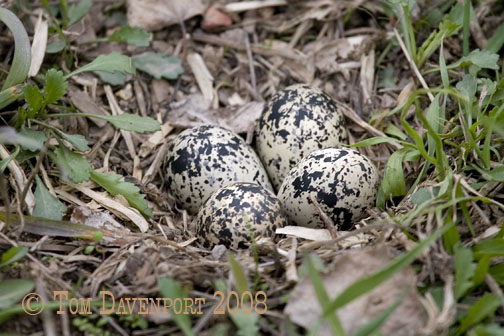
(343,181)
(297,121)
(233,213)
(203,159)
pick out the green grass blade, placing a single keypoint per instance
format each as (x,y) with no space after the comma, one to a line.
(239,275)
(22,50)
(496,42)
(372,327)
(367,284)
(323,298)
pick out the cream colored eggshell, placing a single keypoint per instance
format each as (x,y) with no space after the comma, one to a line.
(232,213)
(342,180)
(203,159)
(297,121)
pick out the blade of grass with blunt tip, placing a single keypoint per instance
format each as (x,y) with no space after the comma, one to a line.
(375,324)
(496,42)
(238,275)
(22,49)
(465,29)
(363,286)
(323,298)
(9,95)
(378,140)
(42,226)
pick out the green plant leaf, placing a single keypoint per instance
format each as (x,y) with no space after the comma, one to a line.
(323,298)
(112,78)
(78,10)
(55,86)
(246,323)
(374,141)
(393,183)
(360,287)
(55,47)
(132,35)
(467,86)
(38,136)
(131,192)
(46,204)
(12,255)
(238,274)
(8,135)
(48,227)
(132,122)
(496,42)
(464,270)
(34,98)
(11,291)
(485,306)
(114,62)
(490,247)
(170,288)
(488,330)
(159,65)
(22,51)
(481,58)
(72,165)
(423,195)
(9,95)
(78,141)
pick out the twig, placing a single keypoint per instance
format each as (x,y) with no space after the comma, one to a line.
(211,39)
(5,198)
(251,61)
(352,115)
(34,172)
(495,288)
(413,65)
(327,221)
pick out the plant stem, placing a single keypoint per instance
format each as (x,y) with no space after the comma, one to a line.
(467,19)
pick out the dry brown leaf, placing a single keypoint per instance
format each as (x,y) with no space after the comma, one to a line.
(156,14)
(367,76)
(100,220)
(19,177)
(251,5)
(305,233)
(304,309)
(39,45)
(214,18)
(85,104)
(203,77)
(114,206)
(195,111)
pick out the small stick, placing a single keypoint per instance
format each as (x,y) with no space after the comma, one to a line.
(251,61)
(413,65)
(34,172)
(327,221)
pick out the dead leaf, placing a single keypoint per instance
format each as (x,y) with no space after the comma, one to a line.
(305,233)
(214,18)
(39,45)
(156,14)
(203,77)
(195,111)
(85,104)
(304,309)
(100,220)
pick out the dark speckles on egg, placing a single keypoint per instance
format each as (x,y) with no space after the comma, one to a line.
(297,121)
(203,159)
(249,207)
(343,181)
